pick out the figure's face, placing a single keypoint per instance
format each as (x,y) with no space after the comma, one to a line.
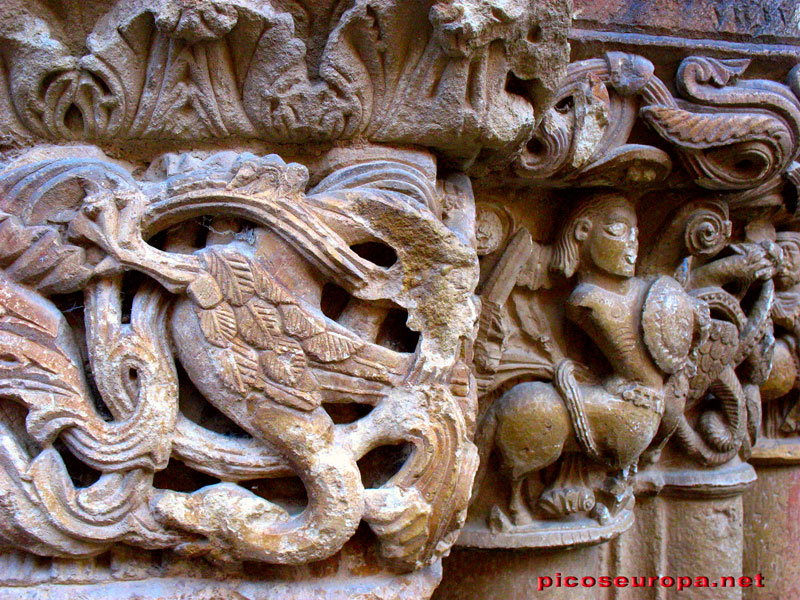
(613,240)
(789,273)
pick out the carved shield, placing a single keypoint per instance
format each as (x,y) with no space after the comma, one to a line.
(668,323)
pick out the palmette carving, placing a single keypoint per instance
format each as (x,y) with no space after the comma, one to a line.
(312,72)
(255,342)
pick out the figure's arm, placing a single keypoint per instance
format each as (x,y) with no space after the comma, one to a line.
(750,262)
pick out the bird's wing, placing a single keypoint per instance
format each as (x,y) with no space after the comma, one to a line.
(271,341)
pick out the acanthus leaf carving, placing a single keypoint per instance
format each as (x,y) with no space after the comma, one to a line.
(243,69)
(750,136)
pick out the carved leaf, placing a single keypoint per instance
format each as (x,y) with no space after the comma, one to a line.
(701,130)
(240,369)
(218,324)
(712,70)
(259,322)
(267,287)
(233,274)
(331,347)
(297,323)
(36,256)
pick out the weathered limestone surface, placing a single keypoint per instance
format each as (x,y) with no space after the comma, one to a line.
(344,299)
(500,574)
(771,533)
(748,21)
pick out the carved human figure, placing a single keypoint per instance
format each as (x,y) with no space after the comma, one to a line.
(613,420)
(785,373)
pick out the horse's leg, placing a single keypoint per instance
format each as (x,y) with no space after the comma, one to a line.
(517,506)
(533,427)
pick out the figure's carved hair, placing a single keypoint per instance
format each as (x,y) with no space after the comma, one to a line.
(566,252)
(790,237)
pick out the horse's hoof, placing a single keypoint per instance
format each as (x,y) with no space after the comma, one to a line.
(499,521)
(601,514)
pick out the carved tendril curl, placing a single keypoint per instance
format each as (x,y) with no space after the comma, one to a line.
(707,233)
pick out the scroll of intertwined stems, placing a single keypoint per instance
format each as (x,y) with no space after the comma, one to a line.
(223,277)
(254,341)
(280,297)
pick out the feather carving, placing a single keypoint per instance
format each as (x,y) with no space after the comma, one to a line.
(218,324)
(266,339)
(331,347)
(259,323)
(701,130)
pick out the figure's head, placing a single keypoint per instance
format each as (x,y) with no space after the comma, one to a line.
(788,274)
(600,235)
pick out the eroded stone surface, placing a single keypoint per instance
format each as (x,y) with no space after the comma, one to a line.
(298,295)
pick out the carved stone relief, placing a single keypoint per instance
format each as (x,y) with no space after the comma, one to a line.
(220,353)
(240,304)
(465,77)
(594,349)
(256,324)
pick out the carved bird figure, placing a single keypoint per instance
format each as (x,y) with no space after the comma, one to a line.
(260,335)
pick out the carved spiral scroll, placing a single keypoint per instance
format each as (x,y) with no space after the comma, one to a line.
(707,232)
